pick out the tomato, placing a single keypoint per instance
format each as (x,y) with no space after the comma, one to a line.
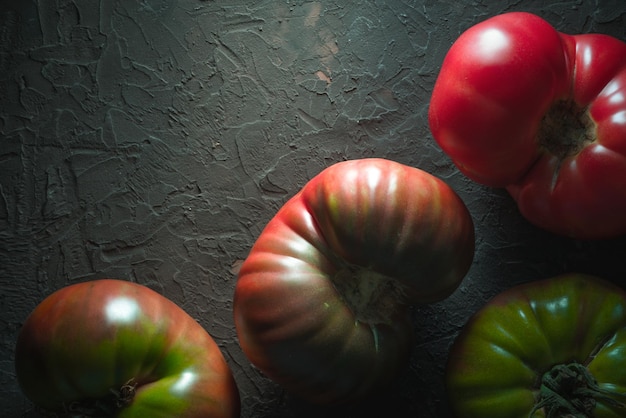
(549,348)
(118,349)
(518,104)
(321,301)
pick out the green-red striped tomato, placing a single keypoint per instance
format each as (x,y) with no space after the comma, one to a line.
(549,348)
(321,300)
(118,349)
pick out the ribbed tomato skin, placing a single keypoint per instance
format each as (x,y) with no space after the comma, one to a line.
(376,217)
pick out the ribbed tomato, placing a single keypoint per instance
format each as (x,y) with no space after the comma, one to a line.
(550,348)
(518,104)
(321,302)
(118,349)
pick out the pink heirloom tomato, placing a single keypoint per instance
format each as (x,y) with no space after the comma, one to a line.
(118,349)
(321,302)
(518,104)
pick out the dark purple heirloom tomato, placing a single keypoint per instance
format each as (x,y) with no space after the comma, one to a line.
(118,349)
(321,302)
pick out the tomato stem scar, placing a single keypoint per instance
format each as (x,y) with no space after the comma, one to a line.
(571,390)
(566,129)
(372,297)
(104,407)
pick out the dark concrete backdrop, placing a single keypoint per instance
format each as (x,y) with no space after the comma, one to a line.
(151,140)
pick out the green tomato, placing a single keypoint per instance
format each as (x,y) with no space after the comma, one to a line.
(550,348)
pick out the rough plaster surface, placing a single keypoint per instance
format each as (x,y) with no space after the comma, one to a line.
(151,140)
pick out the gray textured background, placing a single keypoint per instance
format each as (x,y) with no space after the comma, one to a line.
(152,140)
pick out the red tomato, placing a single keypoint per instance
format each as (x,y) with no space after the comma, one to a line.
(321,302)
(520,105)
(115,348)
